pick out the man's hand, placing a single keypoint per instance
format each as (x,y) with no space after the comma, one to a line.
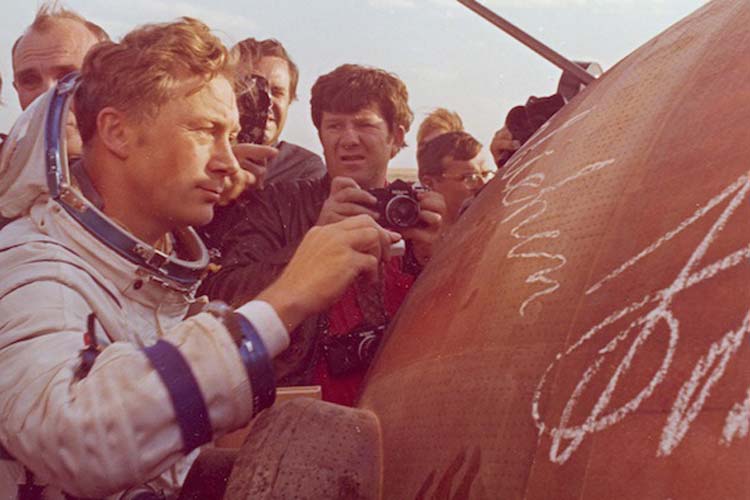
(328,260)
(423,236)
(503,146)
(345,200)
(252,159)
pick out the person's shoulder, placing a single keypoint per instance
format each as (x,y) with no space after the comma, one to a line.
(256,208)
(294,162)
(20,233)
(27,258)
(299,189)
(292,149)
(27,253)
(44,287)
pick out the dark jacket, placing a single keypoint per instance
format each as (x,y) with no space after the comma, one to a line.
(257,236)
(294,163)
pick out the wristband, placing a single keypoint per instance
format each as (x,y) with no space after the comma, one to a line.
(253,353)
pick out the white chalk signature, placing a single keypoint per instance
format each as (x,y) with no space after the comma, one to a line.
(527,208)
(656,308)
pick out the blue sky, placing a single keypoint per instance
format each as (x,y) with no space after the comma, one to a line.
(447,55)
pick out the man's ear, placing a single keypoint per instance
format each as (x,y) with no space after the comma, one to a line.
(398,136)
(114,131)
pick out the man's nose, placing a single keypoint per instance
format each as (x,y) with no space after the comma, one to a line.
(275,104)
(223,161)
(273,108)
(349,136)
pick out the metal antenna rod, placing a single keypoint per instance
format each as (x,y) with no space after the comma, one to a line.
(531,42)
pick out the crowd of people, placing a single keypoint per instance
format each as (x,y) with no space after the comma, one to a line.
(160,278)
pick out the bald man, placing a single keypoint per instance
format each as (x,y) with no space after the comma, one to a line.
(50,48)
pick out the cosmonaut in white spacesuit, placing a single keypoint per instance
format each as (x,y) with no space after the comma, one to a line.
(105,386)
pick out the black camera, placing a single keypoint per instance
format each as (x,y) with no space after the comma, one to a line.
(355,350)
(523,121)
(254,105)
(397,205)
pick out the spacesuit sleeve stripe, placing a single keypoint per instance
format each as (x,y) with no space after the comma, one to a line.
(187,400)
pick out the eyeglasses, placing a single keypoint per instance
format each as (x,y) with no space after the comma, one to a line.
(473,179)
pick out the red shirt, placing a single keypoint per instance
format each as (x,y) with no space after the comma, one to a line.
(345,316)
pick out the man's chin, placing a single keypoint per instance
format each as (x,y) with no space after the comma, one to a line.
(201,218)
(345,171)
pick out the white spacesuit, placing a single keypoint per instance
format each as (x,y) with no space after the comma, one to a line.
(160,385)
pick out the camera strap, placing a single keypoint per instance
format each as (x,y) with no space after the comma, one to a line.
(370,298)
(352,348)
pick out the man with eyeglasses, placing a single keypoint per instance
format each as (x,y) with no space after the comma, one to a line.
(452,164)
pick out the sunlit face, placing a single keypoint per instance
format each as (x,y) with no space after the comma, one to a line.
(276,71)
(359,145)
(180,157)
(460,180)
(43,57)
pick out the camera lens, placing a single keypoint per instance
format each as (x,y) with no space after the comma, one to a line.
(402,211)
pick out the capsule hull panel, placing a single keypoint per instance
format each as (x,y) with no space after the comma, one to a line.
(584,332)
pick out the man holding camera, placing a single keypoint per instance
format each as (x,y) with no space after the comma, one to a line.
(105,386)
(269,60)
(362,116)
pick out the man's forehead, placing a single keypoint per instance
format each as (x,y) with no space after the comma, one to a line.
(266,66)
(369,112)
(273,62)
(215,99)
(471,165)
(59,39)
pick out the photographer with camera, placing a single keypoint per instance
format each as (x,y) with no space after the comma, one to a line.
(522,122)
(269,72)
(108,387)
(362,116)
